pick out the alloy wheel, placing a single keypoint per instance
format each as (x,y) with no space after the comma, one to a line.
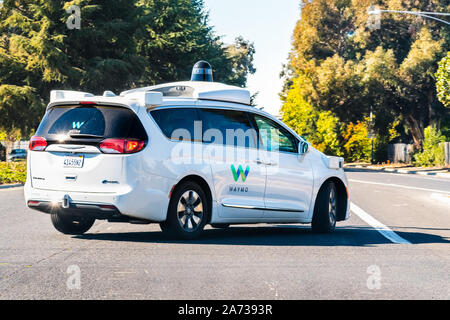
(190,211)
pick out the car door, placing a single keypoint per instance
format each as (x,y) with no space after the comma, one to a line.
(230,145)
(289,181)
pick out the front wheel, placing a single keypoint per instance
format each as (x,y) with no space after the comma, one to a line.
(188,212)
(325,211)
(71,225)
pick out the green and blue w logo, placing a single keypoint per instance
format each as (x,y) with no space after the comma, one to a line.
(240,172)
(77,125)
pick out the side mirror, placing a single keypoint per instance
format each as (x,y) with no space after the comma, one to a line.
(303,147)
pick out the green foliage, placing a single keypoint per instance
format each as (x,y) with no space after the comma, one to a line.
(174,34)
(319,128)
(357,144)
(327,135)
(103,53)
(13,172)
(121,44)
(349,69)
(443,81)
(20,109)
(433,149)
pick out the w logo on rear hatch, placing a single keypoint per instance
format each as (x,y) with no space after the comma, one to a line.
(240,172)
(77,125)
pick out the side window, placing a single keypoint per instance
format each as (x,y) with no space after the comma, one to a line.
(274,137)
(228,127)
(177,123)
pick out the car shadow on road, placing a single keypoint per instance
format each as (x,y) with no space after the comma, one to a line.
(277,235)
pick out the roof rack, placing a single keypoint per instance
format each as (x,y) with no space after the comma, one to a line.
(149,99)
(68,94)
(198,90)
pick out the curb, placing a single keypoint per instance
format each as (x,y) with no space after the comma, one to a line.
(403,171)
(9,186)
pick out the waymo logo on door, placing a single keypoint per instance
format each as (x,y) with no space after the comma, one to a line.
(240,172)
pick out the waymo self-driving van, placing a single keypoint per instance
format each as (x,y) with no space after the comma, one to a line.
(183,155)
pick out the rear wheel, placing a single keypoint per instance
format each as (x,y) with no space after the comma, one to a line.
(188,212)
(325,211)
(71,225)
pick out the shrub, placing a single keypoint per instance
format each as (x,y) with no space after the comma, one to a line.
(433,149)
(357,145)
(13,172)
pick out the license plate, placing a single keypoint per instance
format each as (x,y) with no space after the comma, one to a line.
(73,162)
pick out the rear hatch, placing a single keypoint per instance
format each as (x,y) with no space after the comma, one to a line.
(81,148)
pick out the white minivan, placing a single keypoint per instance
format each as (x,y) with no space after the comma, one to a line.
(183,155)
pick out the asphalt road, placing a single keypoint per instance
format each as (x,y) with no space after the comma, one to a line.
(122,261)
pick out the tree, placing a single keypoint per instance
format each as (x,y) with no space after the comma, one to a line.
(349,69)
(103,53)
(443,81)
(320,128)
(174,34)
(433,150)
(357,144)
(121,44)
(16,103)
(443,92)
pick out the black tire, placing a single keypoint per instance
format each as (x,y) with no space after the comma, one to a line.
(188,212)
(220,225)
(71,225)
(325,211)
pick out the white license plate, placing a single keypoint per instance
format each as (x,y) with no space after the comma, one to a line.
(73,162)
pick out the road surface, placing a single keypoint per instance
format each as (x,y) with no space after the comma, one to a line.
(394,246)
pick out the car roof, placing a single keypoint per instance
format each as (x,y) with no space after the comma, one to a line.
(198,90)
(184,91)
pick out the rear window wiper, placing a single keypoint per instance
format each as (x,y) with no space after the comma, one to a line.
(85,136)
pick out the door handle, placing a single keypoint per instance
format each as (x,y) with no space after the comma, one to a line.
(259,161)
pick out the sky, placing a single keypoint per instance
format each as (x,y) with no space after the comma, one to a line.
(269,24)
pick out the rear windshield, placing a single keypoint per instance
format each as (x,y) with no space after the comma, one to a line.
(90,122)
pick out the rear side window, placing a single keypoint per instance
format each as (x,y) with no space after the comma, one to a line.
(228,127)
(91,122)
(177,123)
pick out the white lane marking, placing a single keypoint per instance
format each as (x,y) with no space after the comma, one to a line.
(441,197)
(377,225)
(412,176)
(399,186)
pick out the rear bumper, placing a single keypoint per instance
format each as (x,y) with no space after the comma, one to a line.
(97,211)
(147,200)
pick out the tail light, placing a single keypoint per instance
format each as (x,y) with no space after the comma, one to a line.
(121,146)
(37,144)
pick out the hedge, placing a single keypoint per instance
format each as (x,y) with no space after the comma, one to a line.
(13,172)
